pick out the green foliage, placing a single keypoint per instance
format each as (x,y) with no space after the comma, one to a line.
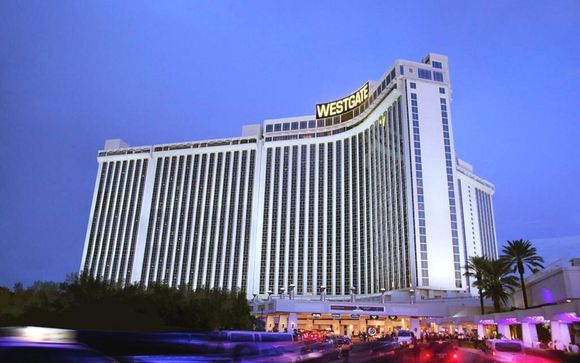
(475,269)
(498,282)
(494,279)
(518,255)
(82,302)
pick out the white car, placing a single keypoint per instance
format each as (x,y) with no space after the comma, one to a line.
(404,337)
(502,350)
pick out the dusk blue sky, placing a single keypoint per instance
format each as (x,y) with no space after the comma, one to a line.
(75,73)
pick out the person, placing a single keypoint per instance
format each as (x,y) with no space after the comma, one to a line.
(573,348)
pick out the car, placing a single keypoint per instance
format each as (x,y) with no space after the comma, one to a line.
(49,353)
(502,350)
(441,352)
(45,345)
(319,352)
(384,351)
(405,337)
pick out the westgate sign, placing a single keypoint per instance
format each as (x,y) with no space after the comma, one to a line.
(343,105)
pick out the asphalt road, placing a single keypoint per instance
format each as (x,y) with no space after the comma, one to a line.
(466,355)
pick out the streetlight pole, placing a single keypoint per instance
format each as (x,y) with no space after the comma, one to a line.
(291,291)
(383,295)
(323,293)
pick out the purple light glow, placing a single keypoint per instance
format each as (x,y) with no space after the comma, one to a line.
(534,319)
(487,322)
(547,296)
(508,321)
(567,317)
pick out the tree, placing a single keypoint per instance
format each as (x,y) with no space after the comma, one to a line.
(475,269)
(498,282)
(520,254)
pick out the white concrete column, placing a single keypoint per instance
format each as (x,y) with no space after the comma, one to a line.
(336,326)
(480,331)
(504,330)
(529,334)
(292,322)
(555,328)
(564,334)
(362,323)
(283,323)
(415,326)
(269,322)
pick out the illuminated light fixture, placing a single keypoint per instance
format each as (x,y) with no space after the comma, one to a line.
(534,319)
(508,321)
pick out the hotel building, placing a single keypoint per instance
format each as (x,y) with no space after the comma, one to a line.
(364,197)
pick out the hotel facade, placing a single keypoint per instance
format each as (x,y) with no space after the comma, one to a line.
(363,197)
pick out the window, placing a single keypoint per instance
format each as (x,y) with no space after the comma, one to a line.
(311,124)
(303,124)
(277,127)
(401,70)
(442,90)
(413,85)
(436,64)
(424,74)
(286,126)
(294,126)
(438,76)
(268,128)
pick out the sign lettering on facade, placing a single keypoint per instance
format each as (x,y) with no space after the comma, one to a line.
(371,308)
(342,307)
(343,105)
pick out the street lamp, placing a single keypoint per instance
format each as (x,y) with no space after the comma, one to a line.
(383,295)
(291,291)
(269,294)
(352,293)
(323,293)
(412,295)
(282,292)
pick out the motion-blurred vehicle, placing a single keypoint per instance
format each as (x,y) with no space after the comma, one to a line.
(50,353)
(45,345)
(441,352)
(319,352)
(383,351)
(499,350)
(264,353)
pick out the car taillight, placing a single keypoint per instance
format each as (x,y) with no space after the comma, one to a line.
(455,356)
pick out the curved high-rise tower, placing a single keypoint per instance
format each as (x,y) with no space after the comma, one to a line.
(362,195)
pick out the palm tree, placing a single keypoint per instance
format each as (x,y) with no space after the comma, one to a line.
(520,254)
(498,282)
(474,269)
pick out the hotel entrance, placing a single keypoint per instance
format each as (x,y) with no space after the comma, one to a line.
(373,325)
